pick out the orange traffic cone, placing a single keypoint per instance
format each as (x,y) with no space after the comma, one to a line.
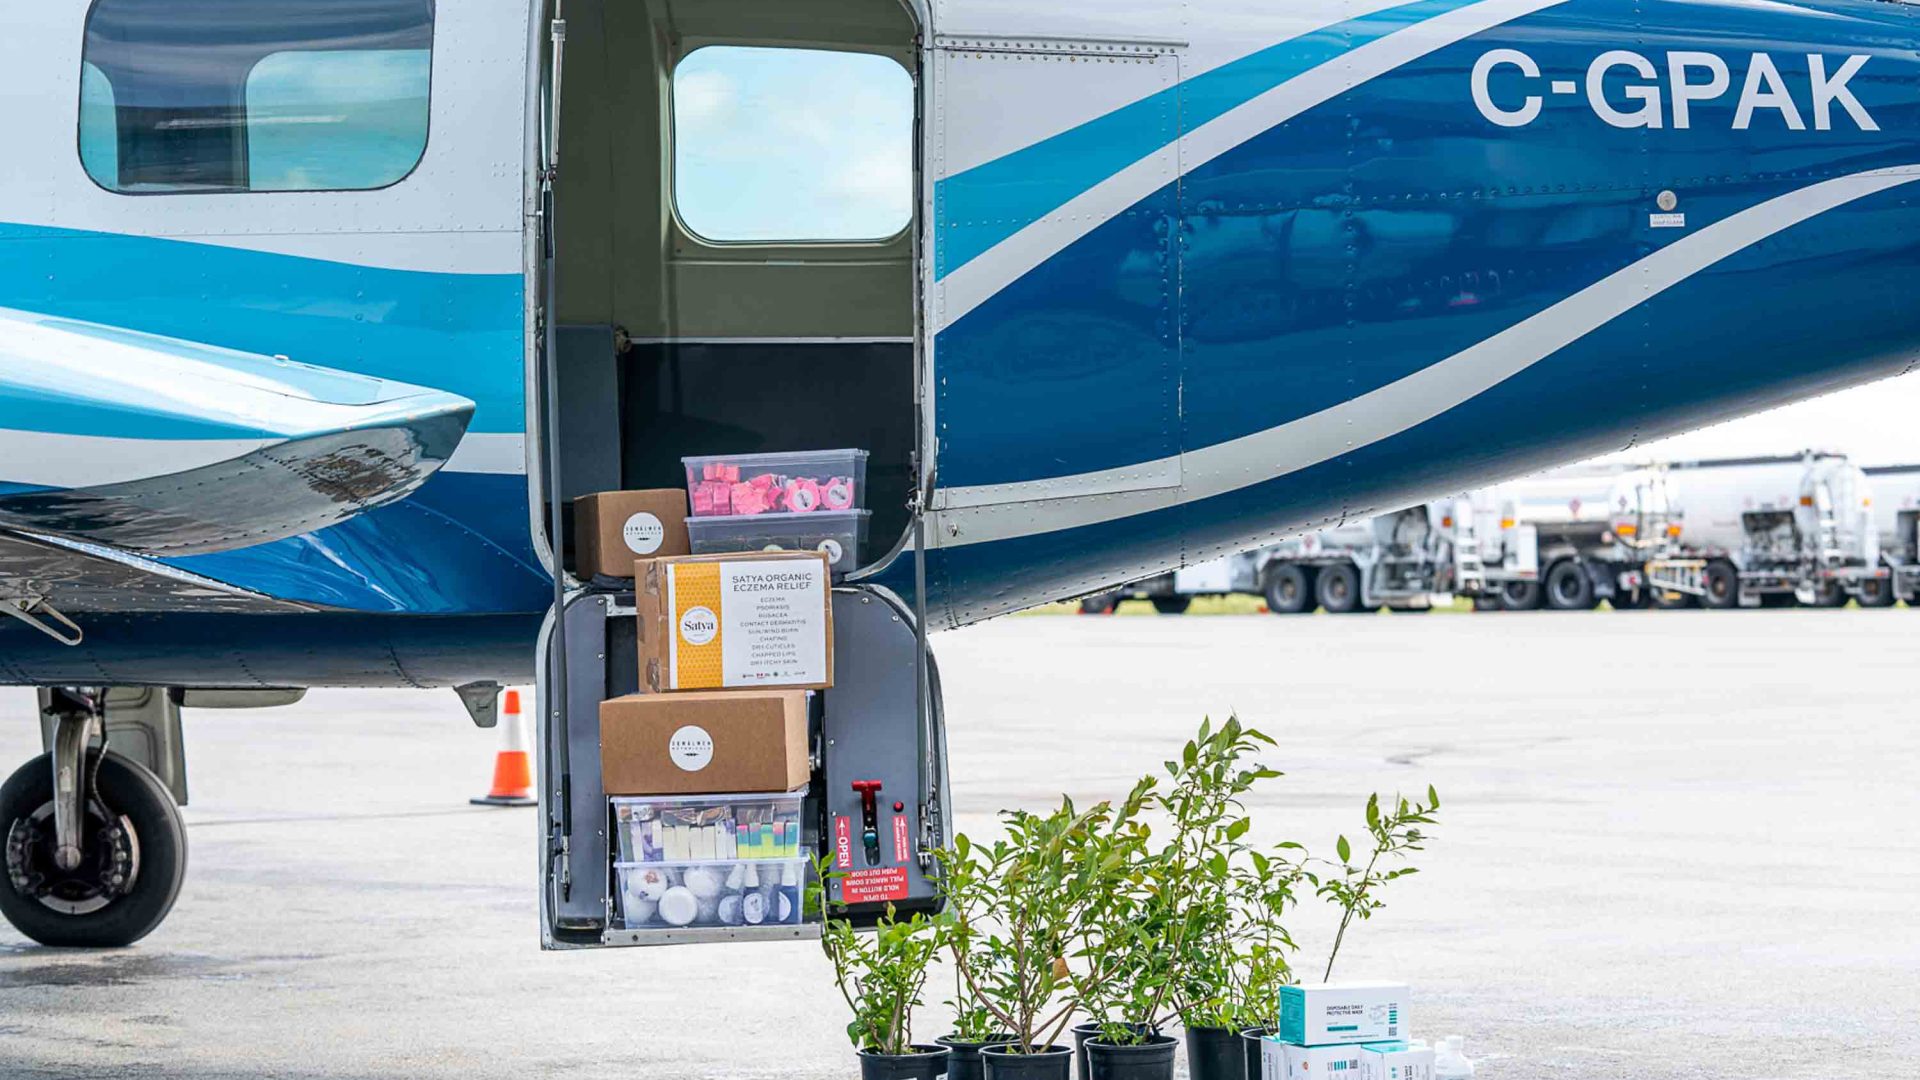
(512,765)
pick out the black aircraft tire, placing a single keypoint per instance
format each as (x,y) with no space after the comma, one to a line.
(1568,588)
(1172,605)
(1723,586)
(1288,589)
(160,838)
(1338,589)
(1520,596)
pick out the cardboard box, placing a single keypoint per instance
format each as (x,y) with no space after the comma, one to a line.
(1323,1014)
(613,528)
(704,743)
(1395,1061)
(723,622)
(1285,1061)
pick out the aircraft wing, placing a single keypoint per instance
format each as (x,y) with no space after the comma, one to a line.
(155,446)
(43,579)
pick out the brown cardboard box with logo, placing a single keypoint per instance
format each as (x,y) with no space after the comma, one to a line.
(704,743)
(734,622)
(613,528)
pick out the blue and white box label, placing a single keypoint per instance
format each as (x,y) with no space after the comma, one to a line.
(1331,1014)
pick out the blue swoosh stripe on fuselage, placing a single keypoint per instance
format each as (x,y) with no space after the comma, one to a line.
(460,333)
(988,203)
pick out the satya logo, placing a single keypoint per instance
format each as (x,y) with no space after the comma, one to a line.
(699,626)
(691,748)
(644,533)
(1509,90)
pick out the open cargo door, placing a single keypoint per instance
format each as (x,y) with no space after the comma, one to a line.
(661,346)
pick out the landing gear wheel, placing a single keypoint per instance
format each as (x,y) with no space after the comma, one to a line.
(1568,587)
(1172,605)
(1520,596)
(1339,589)
(1875,592)
(1723,587)
(133,856)
(1288,590)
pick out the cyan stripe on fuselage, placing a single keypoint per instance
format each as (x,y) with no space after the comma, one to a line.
(460,333)
(989,203)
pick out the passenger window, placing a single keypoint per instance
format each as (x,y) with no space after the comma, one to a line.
(776,145)
(254,95)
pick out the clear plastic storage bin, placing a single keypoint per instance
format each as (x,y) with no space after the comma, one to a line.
(744,485)
(679,895)
(842,535)
(708,828)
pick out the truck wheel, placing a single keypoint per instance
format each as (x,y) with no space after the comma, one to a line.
(1287,590)
(1103,604)
(1520,596)
(1172,605)
(1722,585)
(134,856)
(1876,592)
(1339,589)
(1830,595)
(1568,587)
(1485,602)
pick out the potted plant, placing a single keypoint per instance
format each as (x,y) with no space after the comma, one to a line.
(1122,977)
(881,976)
(1353,887)
(974,1026)
(1018,908)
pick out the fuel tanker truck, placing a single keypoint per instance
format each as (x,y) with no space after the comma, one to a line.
(1568,539)
(1896,517)
(1767,531)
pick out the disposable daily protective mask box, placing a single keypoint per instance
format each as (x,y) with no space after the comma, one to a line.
(725,622)
(1395,1061)
(1348,1012)
(1285,1061)
(613,528)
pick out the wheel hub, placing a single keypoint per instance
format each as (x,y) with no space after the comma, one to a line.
(109,863)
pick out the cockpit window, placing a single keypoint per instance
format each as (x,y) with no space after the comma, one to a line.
(185,96)
(775,145)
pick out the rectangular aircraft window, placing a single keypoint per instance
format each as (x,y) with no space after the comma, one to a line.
(188,96)
(774,145)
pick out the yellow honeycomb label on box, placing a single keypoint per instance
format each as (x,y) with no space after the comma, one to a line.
(760,622)
(693,592)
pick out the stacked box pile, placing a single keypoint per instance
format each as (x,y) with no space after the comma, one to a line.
(1345,1031)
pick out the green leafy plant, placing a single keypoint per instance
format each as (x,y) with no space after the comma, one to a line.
(1201,870)
(1120,975)
(1356,887)
(1267,885)
(881,976)
(973,1022)
(1019,908)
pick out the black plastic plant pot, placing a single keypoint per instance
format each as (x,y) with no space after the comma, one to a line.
(1148,1060)
(925,1063)
(1089,1030)
(1006,1062)
(963,1057)
(1216,1053)
(1254,1039)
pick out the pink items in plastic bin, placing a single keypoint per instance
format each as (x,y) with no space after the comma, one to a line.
(745,485)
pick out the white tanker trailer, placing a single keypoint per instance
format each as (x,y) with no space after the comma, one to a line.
(1896,517)
(1764,531)
(1568,539)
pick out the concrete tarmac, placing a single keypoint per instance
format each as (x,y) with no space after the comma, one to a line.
(1674,844)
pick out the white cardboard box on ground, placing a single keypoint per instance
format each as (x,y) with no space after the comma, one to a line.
(1343,1013)
(1396,1061)
(1285,1061)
